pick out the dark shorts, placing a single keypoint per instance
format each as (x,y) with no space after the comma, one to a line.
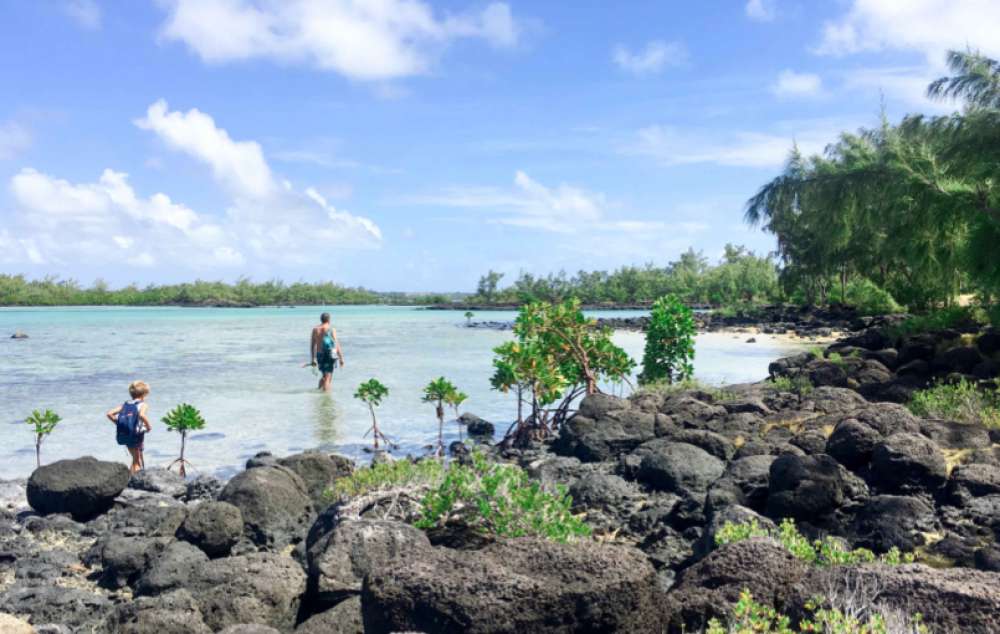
(325,362)
(134,442)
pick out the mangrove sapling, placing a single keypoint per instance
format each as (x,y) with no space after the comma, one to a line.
(468,317)
(182,419)
(44,423)
(371,393)
(454,401)
(437,392)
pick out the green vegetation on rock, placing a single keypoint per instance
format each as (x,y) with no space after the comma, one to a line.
(962,401)
(501,500)
(821,552)
(382,476)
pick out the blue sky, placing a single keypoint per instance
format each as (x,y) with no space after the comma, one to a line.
(414,144)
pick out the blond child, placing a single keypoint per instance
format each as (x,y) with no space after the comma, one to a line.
(132,423)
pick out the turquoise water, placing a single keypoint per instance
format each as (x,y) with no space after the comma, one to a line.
(242,368)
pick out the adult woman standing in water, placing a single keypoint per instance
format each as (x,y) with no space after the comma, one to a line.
(322,347)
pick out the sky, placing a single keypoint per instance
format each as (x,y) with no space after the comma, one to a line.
(412,145)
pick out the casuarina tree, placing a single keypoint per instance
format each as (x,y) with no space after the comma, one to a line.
(44,423)
(371,393)
(182,419)
(669,342)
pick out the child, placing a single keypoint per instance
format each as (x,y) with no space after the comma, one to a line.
(132,423)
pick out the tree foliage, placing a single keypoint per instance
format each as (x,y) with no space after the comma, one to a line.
(438,392)
(739,277)
(669,342)
(557,353)
(913,208)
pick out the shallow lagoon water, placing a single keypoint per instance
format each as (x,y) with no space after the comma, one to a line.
(242,368)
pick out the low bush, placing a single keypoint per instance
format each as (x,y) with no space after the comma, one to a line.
(387,475)
(798,385)
(501,500)
(963,401)
(869,299)
(952,317)
(820,552)
(750,617)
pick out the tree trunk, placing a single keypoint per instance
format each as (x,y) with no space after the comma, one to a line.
(374,425)
(38,452)
(183,442)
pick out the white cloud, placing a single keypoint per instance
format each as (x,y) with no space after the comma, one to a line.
(267,222)
(930,27)
(897,85)
(761,10)
(672,146)
(238,164)
(86,13)
(792,84)
(14,138)
(360,39)
(652,59)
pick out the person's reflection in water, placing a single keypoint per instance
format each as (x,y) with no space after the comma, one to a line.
(325,416)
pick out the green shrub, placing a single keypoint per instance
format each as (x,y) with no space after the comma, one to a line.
(500,499)
(869,299)
(963,401)
(798,385)
(669,342)
(951,317)
(750,617)
(387,475)
(820,552)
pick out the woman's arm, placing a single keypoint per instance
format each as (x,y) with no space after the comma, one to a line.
(143,410)
(113,414)
(312,348)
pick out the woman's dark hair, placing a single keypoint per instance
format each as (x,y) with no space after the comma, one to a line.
(324,318)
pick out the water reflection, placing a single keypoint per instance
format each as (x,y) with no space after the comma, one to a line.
(326,414)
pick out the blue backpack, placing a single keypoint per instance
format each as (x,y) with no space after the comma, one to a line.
(128,425)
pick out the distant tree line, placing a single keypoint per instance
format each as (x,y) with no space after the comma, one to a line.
(16,290)
(740,277)
(910,210)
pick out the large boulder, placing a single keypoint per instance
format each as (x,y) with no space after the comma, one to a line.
(678,467)
(599,440)
(158,480)
(886,521)
(261,588)
(339,562)
(83,487)
(175,612)
(744,482)
(319,472)
(949,600)
(961,359)
(852,443)
(804,487)
(344,618)
(275,505)
(526,585)
(908,463)
(214,527)
(477,427)
(709,588)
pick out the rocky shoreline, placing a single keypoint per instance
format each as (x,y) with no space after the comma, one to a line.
(657,476)
(803,322)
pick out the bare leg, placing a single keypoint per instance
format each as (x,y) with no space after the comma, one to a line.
(136,460)
(327,379)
